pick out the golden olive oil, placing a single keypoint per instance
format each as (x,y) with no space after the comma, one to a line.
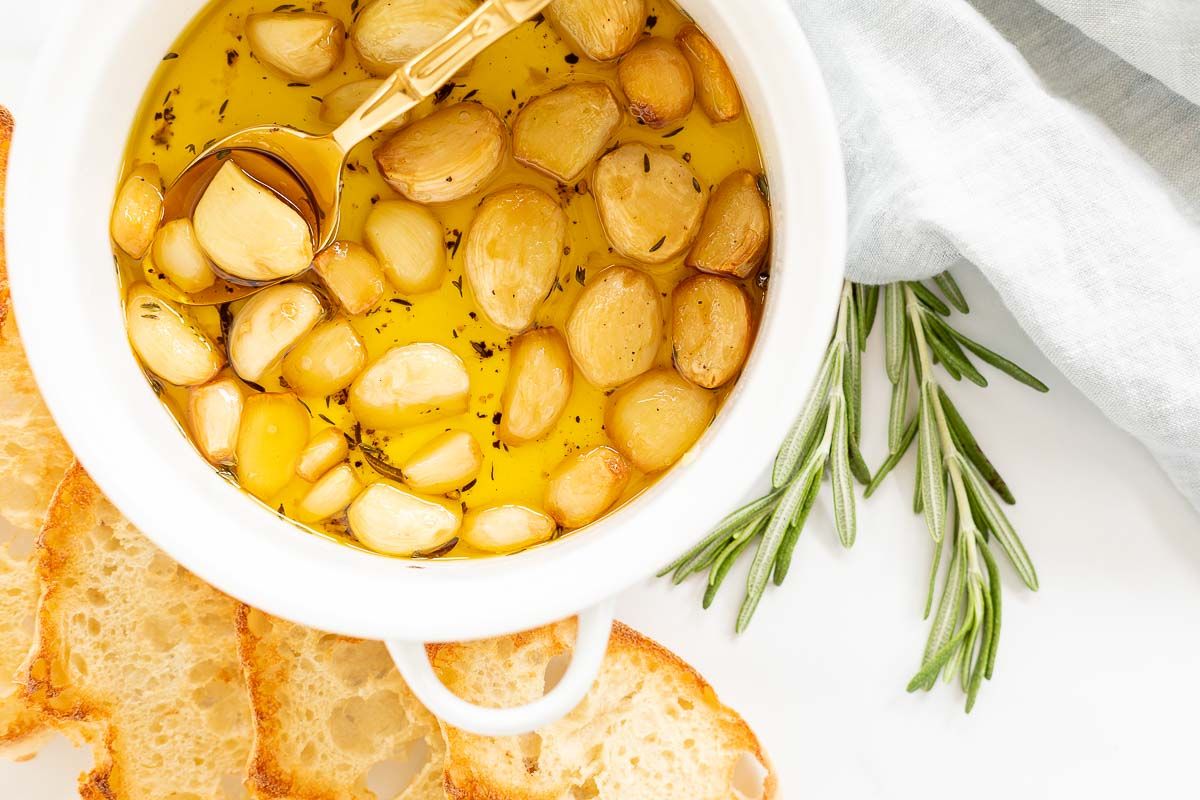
(210,85)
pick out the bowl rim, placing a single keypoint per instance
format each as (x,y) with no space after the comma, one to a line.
(119,432)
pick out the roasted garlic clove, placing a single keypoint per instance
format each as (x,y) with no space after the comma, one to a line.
(650,203)
(273,434)
(392,521)
(326,360)
(616,327)
(711,328)
(299,46)
(214,415)
(562,132)
(600,29)
(586,485)
(410,384)
(505,529)
(332,492)
(733,238)
(324,451)
(248,230)
(513,251)
(657,82)
(138,210)
(269,325)
(389,33)
(352,275)
(450,154)
(410,244)
(167,340)
(179,256)
(446,462)
(538,386)
(339,104)
(715,87)
(657,418)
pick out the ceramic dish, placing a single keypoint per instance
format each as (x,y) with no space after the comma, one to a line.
(67,152)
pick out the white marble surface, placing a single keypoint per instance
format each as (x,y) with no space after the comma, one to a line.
(1095,692)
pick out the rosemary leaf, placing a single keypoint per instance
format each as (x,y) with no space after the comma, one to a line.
(793,448)
(984,649)
(783,561)
(933,489)
(720,533)
(965,441)
(722,567)
(893,329)
(899,407)
(1002,529)
(906,440)
(858,465)
(843,483)
(852,376)
(950,289)
(768,547)
(993,573)
(998,361)
(951,354)
(917,506)
(928,298)
(866,317)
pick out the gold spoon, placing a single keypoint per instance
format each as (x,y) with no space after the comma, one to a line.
(306,169)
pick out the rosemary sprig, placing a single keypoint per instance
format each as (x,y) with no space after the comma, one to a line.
(823,438)
(954,479)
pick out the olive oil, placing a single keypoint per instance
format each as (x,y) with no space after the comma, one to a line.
(210,85)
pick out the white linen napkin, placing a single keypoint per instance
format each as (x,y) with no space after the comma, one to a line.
(1055,146)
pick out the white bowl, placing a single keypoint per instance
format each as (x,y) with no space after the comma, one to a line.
(66,154)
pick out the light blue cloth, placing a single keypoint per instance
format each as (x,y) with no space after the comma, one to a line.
(1055,146)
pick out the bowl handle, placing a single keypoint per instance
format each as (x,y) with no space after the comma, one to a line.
(591,643)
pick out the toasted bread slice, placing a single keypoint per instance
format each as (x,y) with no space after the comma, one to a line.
(136,656)
(33,458)
(329,709)
(649,728)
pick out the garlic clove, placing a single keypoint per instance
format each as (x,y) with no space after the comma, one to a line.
(214,416)
(179,256)
(167,340)
(538,386)
(447,462)
(563,132)
(506,528)
(408,385)
(715,87)
(389,33)
(711,329)
(448,155)
(330,495)
(352,275)
(272,435)
(299,46)
(600,29)
(324,451)
(325,360)
(657,81)
(585,485)
(657,418)
(616,327)
(395,522)
(337,105)
(736,230)
(410,244)
(138,210)
(269,325)
(248,231)
(513,252)
(650,203)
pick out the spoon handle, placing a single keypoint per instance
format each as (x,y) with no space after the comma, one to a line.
(434,67)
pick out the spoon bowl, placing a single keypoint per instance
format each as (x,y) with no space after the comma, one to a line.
(305,170)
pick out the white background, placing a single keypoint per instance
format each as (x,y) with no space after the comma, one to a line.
(1096,691)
